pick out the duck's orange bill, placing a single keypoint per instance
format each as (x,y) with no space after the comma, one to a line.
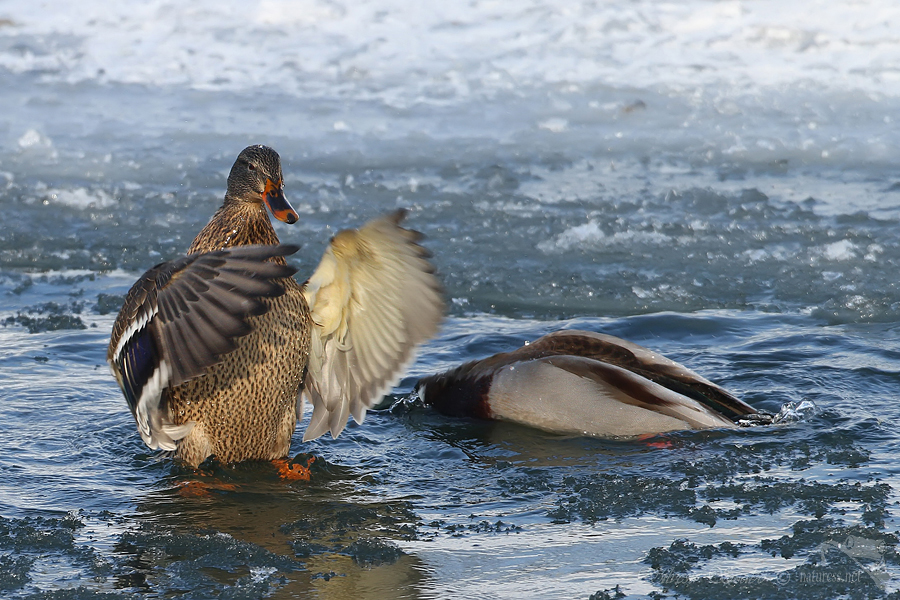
(278,204)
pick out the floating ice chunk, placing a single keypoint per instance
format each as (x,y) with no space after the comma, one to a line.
(260,574)
(840,251)
(756,255)
(792,412)
(556,125)
(590,235)
(872,251)
(640,292)
(292,12)
(80,198)
(32,138)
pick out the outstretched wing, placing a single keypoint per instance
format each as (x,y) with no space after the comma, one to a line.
(374,298)
(179,319)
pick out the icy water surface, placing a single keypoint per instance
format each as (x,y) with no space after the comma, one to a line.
(714,180)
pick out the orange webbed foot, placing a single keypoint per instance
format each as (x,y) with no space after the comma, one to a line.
(652,440)
(293,471)
(200,489)
(660,445)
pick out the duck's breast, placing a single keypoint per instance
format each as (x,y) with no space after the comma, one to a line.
(244,407)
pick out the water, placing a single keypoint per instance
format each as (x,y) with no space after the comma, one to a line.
(714,180)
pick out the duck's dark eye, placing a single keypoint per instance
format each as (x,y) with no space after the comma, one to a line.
(251,166)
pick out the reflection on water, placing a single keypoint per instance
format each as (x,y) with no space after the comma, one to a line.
(326,536)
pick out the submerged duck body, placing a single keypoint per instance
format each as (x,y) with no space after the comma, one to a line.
(586,383)
(216,352)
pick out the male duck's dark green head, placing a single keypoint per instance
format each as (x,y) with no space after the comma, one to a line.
(256,177)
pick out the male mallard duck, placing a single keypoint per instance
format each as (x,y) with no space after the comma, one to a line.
(585,383)
(216,351)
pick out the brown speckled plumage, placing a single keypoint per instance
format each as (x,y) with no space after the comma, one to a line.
(214,350)
(244,407)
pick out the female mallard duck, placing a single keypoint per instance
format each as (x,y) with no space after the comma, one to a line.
(216,351)
(584,383)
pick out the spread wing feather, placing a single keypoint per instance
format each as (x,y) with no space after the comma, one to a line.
(180,318)
(374,298)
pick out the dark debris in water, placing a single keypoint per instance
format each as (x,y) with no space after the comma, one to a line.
(108,303)
(612,496)
(709,516)
(812,498)
(49,323)
(305,549)
(205,563)
(49,316)
(813,534)
(373,552)
(38,534)
(835,448)
(683,555)
(608,594)
(526,482)
(339,520)
(14,571)
(593,498)
(26,542)
(840,561)
(370,531)
(149,560)
(483,526)
(79,593)
(24,282)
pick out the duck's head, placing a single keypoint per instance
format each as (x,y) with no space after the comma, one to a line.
(256,177)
